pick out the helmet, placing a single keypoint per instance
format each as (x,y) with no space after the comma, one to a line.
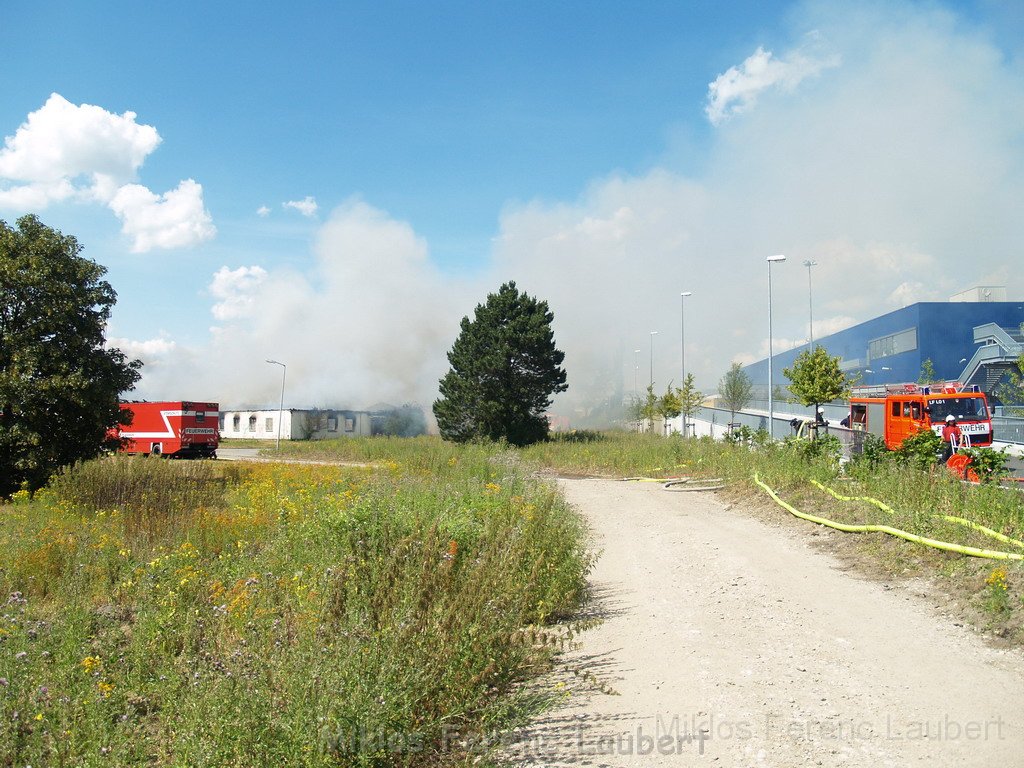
(951,417)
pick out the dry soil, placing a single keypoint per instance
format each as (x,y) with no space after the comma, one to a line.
(726,641)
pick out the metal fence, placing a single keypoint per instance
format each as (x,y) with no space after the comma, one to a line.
(720,422)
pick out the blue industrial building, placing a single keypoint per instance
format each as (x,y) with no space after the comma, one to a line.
(974,342)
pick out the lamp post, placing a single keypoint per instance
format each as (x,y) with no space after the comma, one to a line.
(771,404)
(636,394)
(653,334)
(636,372)
(280,410)
(682,344)
(810,304)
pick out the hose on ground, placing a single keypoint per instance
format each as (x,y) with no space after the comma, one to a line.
(694,484)
(670,483)
(913,537)
(948,518)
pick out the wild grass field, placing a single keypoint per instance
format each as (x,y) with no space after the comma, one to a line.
(201,614)
(212,613)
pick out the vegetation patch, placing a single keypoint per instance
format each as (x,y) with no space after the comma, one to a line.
(174,613)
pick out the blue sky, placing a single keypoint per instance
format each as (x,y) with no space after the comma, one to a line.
(572,146)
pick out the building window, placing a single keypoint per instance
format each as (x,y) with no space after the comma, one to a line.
(221,422)
(332,423)
(886,346)
(236,423)
(252,423)
(350,425)
(268,426)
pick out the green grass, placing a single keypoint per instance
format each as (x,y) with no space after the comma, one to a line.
(276,615)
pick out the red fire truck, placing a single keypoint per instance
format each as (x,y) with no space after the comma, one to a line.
(896,411)
(178,429)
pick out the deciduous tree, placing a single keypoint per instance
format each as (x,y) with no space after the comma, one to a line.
(816,378)
(735,390)
(59,384)
(690,399)
(504,370)
(668,406)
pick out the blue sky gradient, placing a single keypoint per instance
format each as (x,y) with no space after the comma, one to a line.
(474,135)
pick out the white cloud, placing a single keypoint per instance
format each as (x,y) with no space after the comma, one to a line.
(84,153)
(62,141)
(737,89)
(263,211)
(143,350)
(175,219)
(235,291)
(307,206)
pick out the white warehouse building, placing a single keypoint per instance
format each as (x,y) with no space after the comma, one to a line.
(295,423)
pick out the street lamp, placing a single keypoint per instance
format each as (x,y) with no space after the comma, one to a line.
(280,410)
(636,371)
(771,405)
(682,343)
(810,304)
(653,334)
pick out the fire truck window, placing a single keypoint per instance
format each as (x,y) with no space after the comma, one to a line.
(915,410)
(200,415)
(252,423)
(236,423)
(895,409)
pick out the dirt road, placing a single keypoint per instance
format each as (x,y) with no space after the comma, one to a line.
(730,642)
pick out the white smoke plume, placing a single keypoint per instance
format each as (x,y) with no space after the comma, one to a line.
(898,167)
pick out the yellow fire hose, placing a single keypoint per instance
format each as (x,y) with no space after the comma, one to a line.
(935,544)
(950,518)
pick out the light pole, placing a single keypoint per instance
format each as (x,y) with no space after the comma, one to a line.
(810,304)
(771,405)
(653,334)
(636,372)
(682,344)
(636,394)
(280,410)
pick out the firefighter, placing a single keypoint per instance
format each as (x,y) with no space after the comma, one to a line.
(951,438)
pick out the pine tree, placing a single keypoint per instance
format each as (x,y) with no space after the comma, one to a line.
(504,369)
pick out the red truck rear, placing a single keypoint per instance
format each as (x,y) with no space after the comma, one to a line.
(178,429)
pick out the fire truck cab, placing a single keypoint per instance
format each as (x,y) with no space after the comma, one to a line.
(179,429)
(894,412)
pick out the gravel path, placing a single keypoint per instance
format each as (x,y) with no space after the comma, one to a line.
(729,642)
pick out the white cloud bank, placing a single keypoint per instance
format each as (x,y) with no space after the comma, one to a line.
(899,172)
(83,153)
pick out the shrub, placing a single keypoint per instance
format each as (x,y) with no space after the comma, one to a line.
(921,450)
